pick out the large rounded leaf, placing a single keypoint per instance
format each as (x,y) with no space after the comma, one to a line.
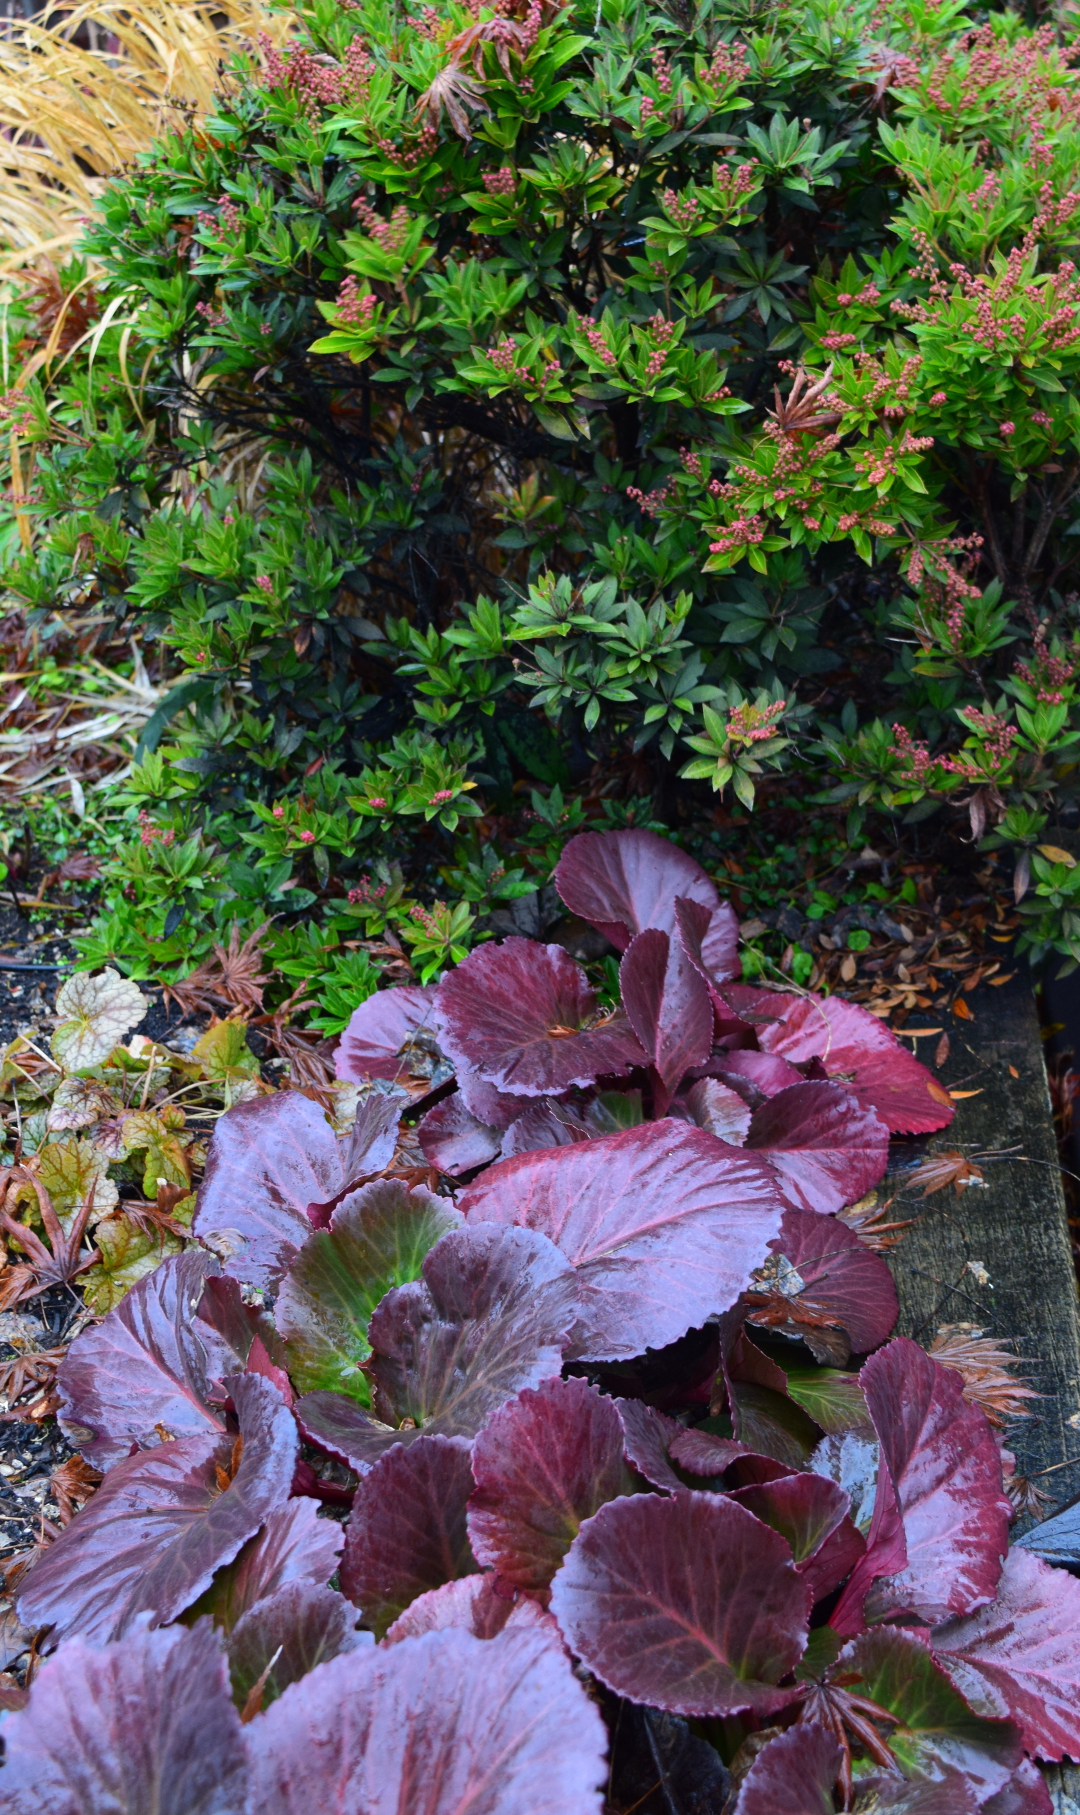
(853,1046)
(945,1471)
(377,1238)
(804,1509)
(294,1545)
(1020,1656)
(376,1042)
(144,1725)
(664,1223)
(543,1463)
(478,1604)
(447,1723)
(453,1140)
(164,1521)
(831,1279)
(149,1365)
(493,1313)
(625,882)
(794,1773)
(269,1161)
(825,1148)
(936,1730)
(710,939)
(668,1006)
(288,1634)
(523,1017)
(685,1602)
(407,1531)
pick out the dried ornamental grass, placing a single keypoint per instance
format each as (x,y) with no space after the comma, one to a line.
(74,115)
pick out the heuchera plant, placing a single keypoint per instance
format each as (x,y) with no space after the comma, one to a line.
(604,1452)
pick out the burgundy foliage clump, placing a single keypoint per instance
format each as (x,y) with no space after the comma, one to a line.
(416,1501)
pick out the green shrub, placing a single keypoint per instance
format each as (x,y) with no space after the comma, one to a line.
(479,391)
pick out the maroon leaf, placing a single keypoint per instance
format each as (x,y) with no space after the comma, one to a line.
(143,1725)
(702,1453)
(149,1365)
(647,1439)
(492,1315)
(710,939)
(371,1046)
(835,1276)
(481,1605)
(285,1636)
(668,1008)
(685,1602)
(543,1463)
(407,1530)
(945,1469)
(719,1110)
(546,1123)
(269,1160)
(952,1794)
(1024,1794)
(840,1554)
(795,1773)
(454,1141)
(625,882)
(164,1521)
(763,1416)
(825,1148)
(851,1044)
(294,1545)
(756,1075)
(446,1723)
(1020,1655)
(523,1017)
(804,1509)
(663,1222)
(936,1731)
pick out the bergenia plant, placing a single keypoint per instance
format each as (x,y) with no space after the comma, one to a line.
(494,1483)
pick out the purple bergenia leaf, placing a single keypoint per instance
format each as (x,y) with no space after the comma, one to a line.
(543,1463)
(936,1729)
(524,1018)
(294,1545)
(718,1109)
(376,1041)
(950,1794)
(147,1724)
(454,1141)
(493,1313)
(795,1773)
(407,1531)
(945,1470)
(763,1414)
(663,1222)
(686,1602)
(804,1509)
(269,1161)
(481,1605)
(853,1046)
(826,1149)
(546,1123)
(703,1453)
(834,1276)
(377,1238)
(164,1522)
(444,1723)
(285,1636)
(1024,1794)
(647,1439)
(626,882)
(1020,1655)
(669,1009)
(710,939)
(756,1076)
(150,1364)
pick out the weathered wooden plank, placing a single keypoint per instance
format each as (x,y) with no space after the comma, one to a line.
(1015,1229)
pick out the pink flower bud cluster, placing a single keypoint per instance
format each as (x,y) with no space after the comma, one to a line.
(150,834)
(354,310)
(728,66)
(213,314)
(500,182)
(363,895)
(661,331)
(596,341)
(390,235)
(683,210)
